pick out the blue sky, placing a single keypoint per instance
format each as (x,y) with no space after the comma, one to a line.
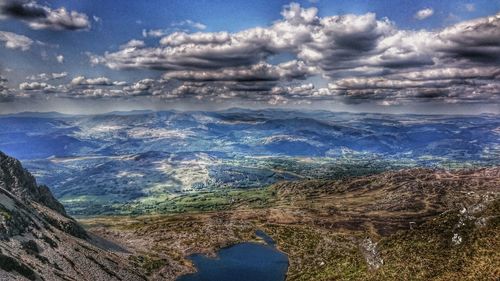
(88,44)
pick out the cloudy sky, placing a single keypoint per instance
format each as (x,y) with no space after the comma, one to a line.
(385,56)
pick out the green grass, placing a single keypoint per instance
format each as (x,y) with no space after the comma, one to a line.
(317,254)
(150,264)
(208,201)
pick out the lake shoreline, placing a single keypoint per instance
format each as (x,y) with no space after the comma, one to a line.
(227,260)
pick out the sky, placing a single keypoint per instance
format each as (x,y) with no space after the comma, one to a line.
(393,56)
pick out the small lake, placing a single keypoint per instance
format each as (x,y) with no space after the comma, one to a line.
(241,262)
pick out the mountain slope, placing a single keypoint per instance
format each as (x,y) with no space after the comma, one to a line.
(38,241)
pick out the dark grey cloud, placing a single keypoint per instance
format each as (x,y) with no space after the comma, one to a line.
(451,85)
(461,66)
(220,91)
(329,43)
(38,16)
(5,93)
(475,40)
(260,72)
(23,9)
(347,41)
(184,54)
(336,45)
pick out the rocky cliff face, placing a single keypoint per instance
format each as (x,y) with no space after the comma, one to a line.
(39,241)
(18,181)
(22,185)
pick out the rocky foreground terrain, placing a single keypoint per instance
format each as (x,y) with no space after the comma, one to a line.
(39,241)
(416,224)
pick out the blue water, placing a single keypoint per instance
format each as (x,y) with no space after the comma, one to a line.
(241,262)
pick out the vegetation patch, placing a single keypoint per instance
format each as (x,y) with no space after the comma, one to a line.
(150,264)
(433,250)
(316,254)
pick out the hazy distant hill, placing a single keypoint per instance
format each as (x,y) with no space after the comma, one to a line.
(116,158)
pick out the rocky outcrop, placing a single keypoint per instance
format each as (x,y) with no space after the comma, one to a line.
(39,241)
(18,181)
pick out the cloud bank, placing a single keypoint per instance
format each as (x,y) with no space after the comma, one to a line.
(361,58)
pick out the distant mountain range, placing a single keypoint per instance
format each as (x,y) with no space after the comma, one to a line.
(123,157)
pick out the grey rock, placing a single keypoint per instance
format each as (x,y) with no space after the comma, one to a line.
(39,241)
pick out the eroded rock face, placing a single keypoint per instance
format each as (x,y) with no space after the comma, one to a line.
(39,241)
(18,181)
(22,185)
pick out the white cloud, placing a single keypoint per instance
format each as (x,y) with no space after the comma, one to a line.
(144,87)
(182,26)
(60,58)
(34,86)
(80,83)
(296,15)
(15,41)
(47,76)
(315,40)
(191,24)
(82,80)
(362,58)
(424,13)
(132,44)
(154,32)
(372,51)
